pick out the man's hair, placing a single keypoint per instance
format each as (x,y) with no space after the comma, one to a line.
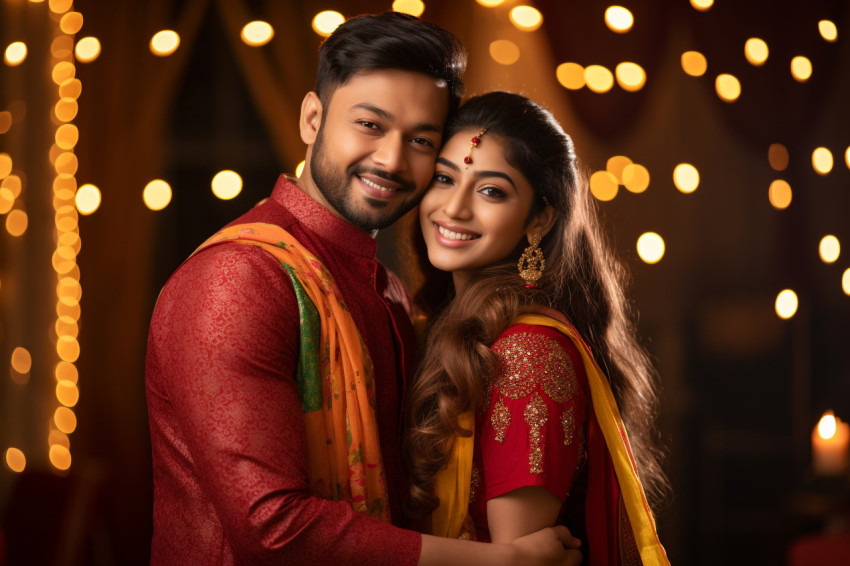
(391,40)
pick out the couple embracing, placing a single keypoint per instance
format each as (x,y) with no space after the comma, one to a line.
(293,418)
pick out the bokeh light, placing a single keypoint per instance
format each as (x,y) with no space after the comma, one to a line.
(756,51)
(619,19)
(728,87)
(164,43)
(67,392)
(702,5)
(650,247)
(5,121)
(603,185)
(15,53)
(504,51)
(15,460)
(87,199)
(157,194)
(21,360)
(324,23)
(630,76)
(65,420)
(63,71)
(570,75)
(87,49)
(71,23)
(526,18)
(598,78)
(777,156)
(67,136)
(822,161)
(829,249)
(827,30)
(60,457)
(780,194)
(60,6)
(257,33)
(801,68)
(694,63)
(686,177)
(635,178)
(845,281)
(226,184)
(16,222)
(615,166)
(299,168)
(786,303)
(490,3)
(412,7)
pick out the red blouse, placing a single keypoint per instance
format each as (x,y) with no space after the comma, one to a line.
(227,431)
(531,430)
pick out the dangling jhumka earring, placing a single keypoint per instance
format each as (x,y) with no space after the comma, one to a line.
(532,263)
(472,145)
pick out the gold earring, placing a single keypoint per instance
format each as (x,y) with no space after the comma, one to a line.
(532,263)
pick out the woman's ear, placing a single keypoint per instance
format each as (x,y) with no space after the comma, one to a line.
(311,118)
(542,222)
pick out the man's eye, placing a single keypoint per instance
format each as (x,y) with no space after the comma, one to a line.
(425,142)
(369,125)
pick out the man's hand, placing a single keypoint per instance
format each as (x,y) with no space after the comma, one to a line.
(554,546)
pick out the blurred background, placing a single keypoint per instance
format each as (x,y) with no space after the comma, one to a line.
(716,136)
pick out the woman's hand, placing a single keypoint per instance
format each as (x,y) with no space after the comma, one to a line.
(552,545)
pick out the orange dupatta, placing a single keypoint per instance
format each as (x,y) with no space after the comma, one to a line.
(334,376)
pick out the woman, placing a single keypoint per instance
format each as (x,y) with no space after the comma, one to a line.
(513,425)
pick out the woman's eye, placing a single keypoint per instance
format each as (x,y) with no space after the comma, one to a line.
(492,192)
(442,179)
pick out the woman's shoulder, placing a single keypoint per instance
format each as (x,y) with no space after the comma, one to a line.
(533,337)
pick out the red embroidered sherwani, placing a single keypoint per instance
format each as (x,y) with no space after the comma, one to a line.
(227,431)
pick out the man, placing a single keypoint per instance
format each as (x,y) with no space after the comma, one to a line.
(251,462)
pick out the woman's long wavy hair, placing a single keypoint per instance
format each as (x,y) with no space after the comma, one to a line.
(582,279)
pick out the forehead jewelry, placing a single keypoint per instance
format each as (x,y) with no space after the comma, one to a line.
(472,145)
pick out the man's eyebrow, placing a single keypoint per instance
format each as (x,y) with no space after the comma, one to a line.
(478,174)
(422,127)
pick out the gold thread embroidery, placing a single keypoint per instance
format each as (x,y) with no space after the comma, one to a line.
(500,418)
(536,414)
(520,353)
(474,483)
(569,423)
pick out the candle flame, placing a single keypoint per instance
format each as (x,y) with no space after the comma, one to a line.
(827,425)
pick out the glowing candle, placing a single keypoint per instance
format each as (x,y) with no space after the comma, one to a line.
(830,439)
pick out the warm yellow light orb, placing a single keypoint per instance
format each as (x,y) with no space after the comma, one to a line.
(87,199)
(845,281)
(67,136)
(257,33)
(619,19)
(686,177)
(490,3)
(603,185)
(63,71)
(16,222)
(68,348)
(164,43)
(87,49)
(15,53)
(650,247)
(66,109)
(324,23)
(777,156)
(526,18)
(827,425)
(630,76)
(299,168)
(66,371)
(786,304)
(635,178)
(847,157)
(60,6)
(598,78)
(157,194)
(822,161)
(829,249)
(71,23)
(67,393)
(615,166)
(702,5)
(412,7)
(694,63)
(504,51)
(570,75)
(780,194)
(15,460)
(5,121)
(801,68)
(60,457)
(728,87)
(5,165)
(65,420)
(756,51)
(226,184)
(21,360)
(827,30)
(72,88)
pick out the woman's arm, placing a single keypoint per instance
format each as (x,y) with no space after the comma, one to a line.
(547,547)
(521,512)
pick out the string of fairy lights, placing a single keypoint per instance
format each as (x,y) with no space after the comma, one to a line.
(70,200)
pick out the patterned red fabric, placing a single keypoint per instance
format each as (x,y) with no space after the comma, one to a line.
(227,432)
(532,430)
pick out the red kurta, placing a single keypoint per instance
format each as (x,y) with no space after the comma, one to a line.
(227,431)
(531,431)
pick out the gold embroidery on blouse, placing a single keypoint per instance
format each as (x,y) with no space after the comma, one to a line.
(536,414)
(520,353)
(500,419)
(474,483)
(568,421)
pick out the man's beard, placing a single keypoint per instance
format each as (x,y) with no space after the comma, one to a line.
(335,186)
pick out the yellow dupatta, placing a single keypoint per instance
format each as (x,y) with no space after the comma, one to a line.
(641,520)
(334,376)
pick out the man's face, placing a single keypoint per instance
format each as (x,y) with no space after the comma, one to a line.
(373,156)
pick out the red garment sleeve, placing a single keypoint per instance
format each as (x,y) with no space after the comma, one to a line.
(532,433)
(223,349)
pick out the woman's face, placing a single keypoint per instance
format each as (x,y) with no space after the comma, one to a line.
(474,215)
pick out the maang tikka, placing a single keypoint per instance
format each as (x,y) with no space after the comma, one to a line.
(473,143)
(532,263)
